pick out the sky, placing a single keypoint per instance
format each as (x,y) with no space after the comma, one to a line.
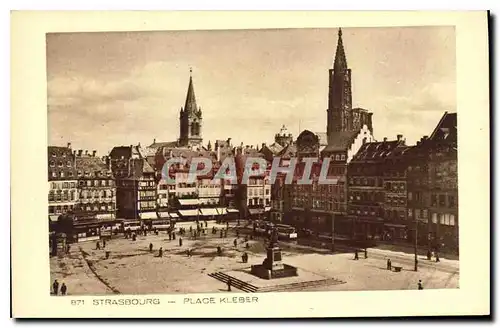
(109,89)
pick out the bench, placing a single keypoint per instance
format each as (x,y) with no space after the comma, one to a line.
(397,268)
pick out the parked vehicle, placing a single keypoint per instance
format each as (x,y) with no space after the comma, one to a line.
(286,232)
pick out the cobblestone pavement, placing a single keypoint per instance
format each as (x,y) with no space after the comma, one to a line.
(133,269)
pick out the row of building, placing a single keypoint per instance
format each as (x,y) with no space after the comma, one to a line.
(383,190)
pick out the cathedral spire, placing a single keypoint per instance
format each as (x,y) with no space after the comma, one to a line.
(340,59)
(190,105)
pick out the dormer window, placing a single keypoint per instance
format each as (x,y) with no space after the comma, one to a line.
(60,164)
(53,154)
(52,164)
(68,163)
(79,173)
(62,174)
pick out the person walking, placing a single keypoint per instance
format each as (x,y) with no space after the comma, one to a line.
(97,245)
(429,255)
(366,254)
(437,258)
(235,242)
(160,252)
(389,264)
(63,289)
(55,287)
(180,241)
(420,286)
(229,284)
(356,255)
(150,247)
(104,243)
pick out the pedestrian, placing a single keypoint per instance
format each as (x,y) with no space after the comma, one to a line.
(64,289)
(55,287)
(420,286)
(206,224)
(160,252)
(356,256)
(235,242)
(247,246)
(104,243)
(222,233)
(229,284)
(219,250)
(169,235)
(150,247)
(97,245)
(429,255)
(389,264)
(173,235)
(134,237)
(214,231)
(366,254)
(68,247)
(437,258)
(188,253)
(180,241)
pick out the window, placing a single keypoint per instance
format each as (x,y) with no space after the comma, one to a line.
(424,214)
(60,164)
(441,219)
(342,157)
(68,163)
(62,174)
(337,157)
(52,164)
(434,200)
(451,201)
(452,220)
(442,200)
(410,213)
(434,217)
(51,195)
(410,195)
(417,214)
(54,174)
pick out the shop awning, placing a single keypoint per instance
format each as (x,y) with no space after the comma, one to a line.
(233,210)
(148,215)
(189,201)
(53,218)
(256,211)
(395,225)
(173,215)
(163,214)
(104,216)
(188,213)
(209,211)
(267,208)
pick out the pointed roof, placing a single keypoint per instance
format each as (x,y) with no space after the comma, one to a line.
(340,62)
(190,105)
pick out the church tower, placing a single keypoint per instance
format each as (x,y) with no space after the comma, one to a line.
(190,119)
(339,94)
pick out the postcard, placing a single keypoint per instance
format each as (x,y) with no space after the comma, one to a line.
(250,164)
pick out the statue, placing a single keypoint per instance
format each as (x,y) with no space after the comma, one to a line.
(274,238)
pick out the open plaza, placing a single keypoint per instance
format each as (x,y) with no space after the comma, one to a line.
(131,268)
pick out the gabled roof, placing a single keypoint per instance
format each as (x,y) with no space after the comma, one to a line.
(170,144)
(91,164)
(289,151)
(341,141)
(446,130)
(377,151)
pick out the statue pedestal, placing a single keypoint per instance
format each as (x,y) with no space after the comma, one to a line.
(274,259)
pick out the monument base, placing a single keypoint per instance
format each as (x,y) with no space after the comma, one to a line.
(272,267)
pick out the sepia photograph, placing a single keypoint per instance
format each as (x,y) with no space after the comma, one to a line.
(372,110)
(184,162)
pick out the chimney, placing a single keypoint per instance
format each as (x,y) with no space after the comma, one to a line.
(418,143)
(80,152)
(86,152)
(94,152)
(229,141)
(263,145)
(385,139)
(69,145)
(399,137)
(74,152)
(154,140)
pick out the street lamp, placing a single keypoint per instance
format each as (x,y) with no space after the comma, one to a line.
(416,243)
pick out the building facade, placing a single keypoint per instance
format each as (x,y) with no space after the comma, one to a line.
(96,187)
(62,181)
